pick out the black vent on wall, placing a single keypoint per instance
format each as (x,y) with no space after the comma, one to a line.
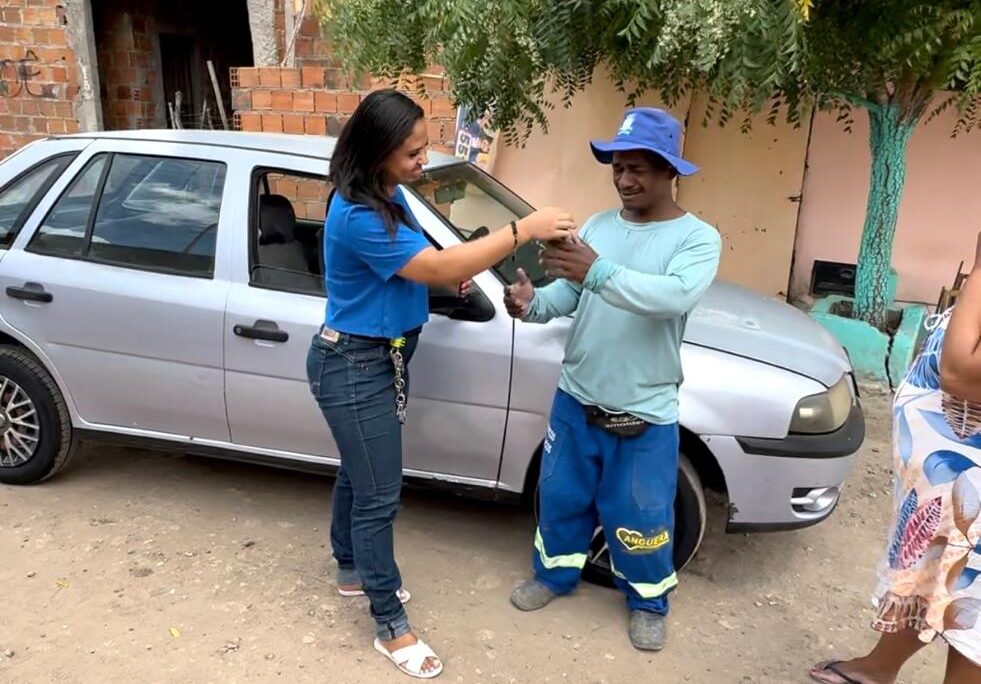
(832,277)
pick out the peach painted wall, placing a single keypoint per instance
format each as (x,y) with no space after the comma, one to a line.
(748,184)
(748,188)
(558,168)
(940,214)
(743,189)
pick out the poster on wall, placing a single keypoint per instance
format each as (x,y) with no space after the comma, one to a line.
(475,140)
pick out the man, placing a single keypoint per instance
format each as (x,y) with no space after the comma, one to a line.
(611,450)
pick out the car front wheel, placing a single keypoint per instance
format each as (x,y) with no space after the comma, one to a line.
(35,427)
(689,528)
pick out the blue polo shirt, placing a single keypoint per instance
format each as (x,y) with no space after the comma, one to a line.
(365,296)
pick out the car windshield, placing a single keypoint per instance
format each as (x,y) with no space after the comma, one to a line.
(474,204)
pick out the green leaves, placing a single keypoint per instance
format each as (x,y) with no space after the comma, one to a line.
(777,56)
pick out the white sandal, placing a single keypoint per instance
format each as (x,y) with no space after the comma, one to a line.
(403,594)
(410,659)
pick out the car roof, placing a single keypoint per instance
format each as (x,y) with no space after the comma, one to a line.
(314,146)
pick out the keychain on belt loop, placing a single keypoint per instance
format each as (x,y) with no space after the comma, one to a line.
(395,351)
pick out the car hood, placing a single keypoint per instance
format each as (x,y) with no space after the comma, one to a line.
(739,321)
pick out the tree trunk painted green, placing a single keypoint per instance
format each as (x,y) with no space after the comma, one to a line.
(889,136)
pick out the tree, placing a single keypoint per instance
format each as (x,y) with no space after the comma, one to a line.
(892,58)
(900,61)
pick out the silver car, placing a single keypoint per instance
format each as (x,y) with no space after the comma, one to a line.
(162,287)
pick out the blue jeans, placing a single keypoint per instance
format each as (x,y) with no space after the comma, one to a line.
(353,383)
(626,484)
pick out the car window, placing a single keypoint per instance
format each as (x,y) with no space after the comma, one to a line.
(159,213)
(474,204)
(153,213)
(62,233)
(21,195)
(163,176)
(286,242)
(286,231)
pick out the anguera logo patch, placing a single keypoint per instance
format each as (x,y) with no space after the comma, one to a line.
(637,542)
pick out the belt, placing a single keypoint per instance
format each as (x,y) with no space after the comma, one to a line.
(380,340)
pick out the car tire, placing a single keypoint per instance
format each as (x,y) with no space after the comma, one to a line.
(35,426)
(690,513)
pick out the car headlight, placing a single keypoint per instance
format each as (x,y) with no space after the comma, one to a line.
(824,412)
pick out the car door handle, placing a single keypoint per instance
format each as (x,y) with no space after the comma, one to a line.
(267,331)
(30,292)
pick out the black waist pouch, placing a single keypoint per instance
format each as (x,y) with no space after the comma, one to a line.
(619,424)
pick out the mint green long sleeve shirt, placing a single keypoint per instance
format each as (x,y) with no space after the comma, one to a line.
(624,347)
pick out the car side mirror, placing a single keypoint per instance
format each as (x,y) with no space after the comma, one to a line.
(475,307)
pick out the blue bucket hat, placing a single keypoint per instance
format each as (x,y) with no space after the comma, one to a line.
(646,128)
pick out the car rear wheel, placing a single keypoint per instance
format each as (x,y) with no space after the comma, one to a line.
(35,427)
(690,515)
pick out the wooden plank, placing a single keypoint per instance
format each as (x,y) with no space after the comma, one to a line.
(221,104)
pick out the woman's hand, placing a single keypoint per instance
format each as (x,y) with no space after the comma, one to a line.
(459,263)
(550,223)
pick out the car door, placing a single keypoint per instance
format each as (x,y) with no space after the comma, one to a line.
(274,308)
(116,278)
(459,376)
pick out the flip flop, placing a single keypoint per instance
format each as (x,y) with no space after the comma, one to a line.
(409,659)
(403,594)
(831,666)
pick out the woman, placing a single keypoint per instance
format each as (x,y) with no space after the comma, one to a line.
(378,265)
(929,585)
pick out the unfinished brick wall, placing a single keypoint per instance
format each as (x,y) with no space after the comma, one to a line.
(310,48)
(281,100)
(38,73)
(307,195)
(279,14)
(127,64)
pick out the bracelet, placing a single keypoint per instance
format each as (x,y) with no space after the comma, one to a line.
(514,234)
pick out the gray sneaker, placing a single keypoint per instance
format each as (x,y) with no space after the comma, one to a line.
(648,631)
(532,595)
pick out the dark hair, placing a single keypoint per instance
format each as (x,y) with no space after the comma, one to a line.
(378,127)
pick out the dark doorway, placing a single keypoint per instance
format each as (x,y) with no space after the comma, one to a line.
(177,60)
(151,50)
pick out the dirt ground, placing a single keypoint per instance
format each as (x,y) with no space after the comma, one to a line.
(140,567)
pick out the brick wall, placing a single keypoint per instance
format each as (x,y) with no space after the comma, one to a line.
(128,69)
(307,195)
(279,14)
(310,47)
(38,73)
(302,100)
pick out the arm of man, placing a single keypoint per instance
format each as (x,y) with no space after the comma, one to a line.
(559,298)
(555,300)
(689,273)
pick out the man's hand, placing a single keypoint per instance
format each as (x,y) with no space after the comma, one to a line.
(570,259)
(517,297)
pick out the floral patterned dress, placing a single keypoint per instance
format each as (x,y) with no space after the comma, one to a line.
(930,580)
